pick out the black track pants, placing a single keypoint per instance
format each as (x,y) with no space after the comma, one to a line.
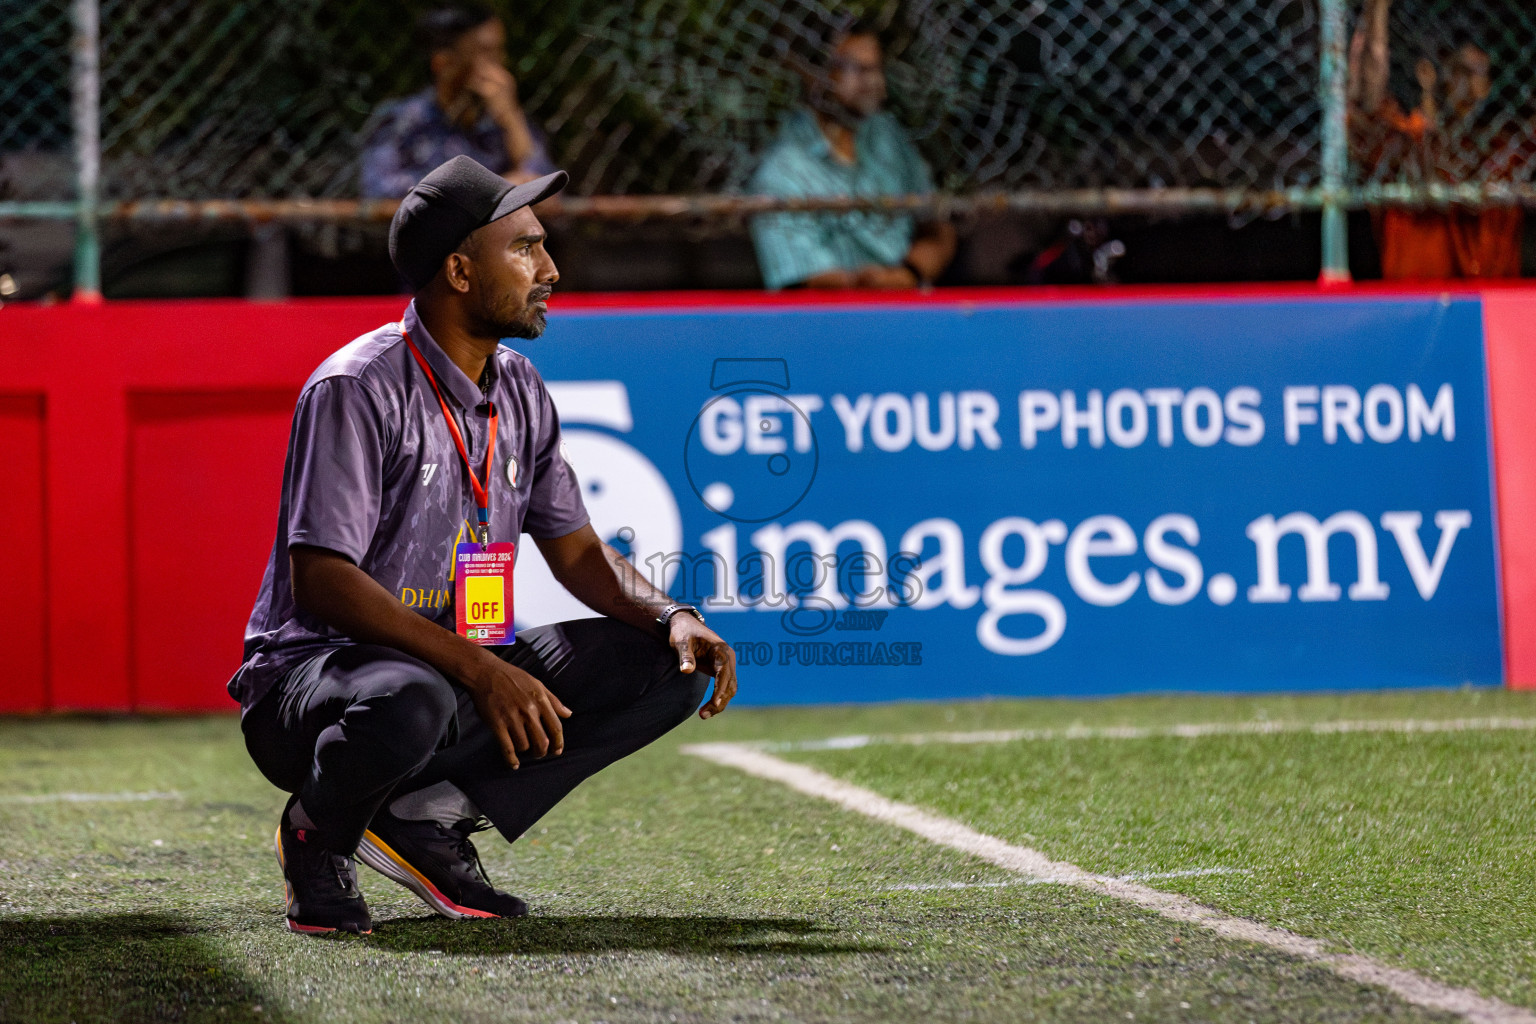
(366,724)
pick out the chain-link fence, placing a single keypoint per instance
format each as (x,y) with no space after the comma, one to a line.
(1457,103)
(1090,105)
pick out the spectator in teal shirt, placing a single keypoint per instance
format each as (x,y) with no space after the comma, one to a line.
(843,144)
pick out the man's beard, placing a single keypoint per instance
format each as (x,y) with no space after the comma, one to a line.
(528,322)
(830,107)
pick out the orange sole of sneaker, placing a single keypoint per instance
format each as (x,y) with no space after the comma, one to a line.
(313,929)
(377,854)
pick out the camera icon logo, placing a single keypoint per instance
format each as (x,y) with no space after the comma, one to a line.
(751,453)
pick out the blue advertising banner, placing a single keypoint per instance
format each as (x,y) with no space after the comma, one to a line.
(881,502)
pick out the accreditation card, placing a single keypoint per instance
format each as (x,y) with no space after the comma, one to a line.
(482,580)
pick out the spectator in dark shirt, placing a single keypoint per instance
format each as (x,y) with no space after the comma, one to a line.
(470,109)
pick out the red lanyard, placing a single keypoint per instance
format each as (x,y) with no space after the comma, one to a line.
(481,491)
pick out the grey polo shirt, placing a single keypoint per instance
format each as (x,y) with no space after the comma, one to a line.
(373,474)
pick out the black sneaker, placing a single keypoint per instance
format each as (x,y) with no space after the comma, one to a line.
(321,883)
(438,864)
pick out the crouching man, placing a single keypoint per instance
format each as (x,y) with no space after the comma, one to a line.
(381,685)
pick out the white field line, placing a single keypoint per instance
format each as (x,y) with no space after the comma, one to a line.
(1407,985)
(1186,731)
(1139,876)
(87,798)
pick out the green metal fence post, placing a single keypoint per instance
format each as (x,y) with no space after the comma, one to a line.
(86,112)
(1333,75)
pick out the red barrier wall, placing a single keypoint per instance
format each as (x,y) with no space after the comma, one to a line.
(1509,326)
(143,443)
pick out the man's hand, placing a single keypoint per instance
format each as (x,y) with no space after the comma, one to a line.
(886,277)
(497,89)
(698,648)
(521,712)
(833,279)
(601,578)
(1426,74)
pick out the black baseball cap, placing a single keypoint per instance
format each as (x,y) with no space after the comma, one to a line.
(447,205)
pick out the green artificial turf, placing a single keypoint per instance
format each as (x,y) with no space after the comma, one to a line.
(1417,849)
(671,889)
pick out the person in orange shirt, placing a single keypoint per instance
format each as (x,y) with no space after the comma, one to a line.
(1445,142)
